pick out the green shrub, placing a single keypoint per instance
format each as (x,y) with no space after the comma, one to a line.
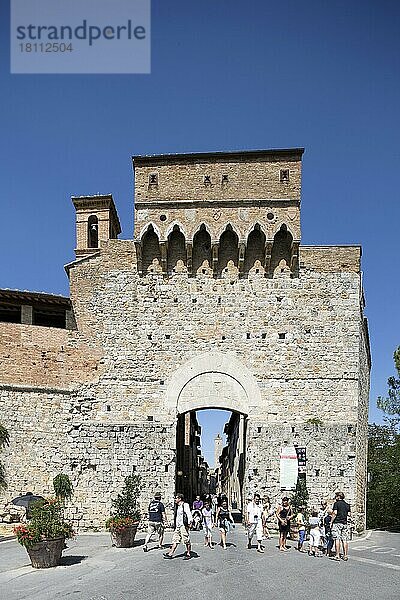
(62,486)
(125,507)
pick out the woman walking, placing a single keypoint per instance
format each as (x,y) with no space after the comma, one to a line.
(224,520)
(284,514)
(207,515)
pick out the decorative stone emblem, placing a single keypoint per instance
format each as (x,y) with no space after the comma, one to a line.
(190,214)
(217,215)
(141,215)
(243,214)
(291,213)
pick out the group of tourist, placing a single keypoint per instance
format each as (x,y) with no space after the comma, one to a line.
(328,526)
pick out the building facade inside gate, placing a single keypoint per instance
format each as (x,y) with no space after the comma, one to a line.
(214,304)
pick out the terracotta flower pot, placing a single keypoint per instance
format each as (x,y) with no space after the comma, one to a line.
(124,538)
(47,553)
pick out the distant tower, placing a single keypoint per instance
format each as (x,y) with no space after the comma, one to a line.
(96,222)
(217,450)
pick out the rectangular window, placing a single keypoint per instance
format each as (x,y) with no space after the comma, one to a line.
(10,313)
(49,318)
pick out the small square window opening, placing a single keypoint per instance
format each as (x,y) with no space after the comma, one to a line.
(153,179)
(284,175)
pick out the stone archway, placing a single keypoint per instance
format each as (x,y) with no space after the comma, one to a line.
(212,381)
(236,387)
(213,390)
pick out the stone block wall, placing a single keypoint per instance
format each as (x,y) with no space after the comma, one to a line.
(36,419)
(45,356)
(331,462)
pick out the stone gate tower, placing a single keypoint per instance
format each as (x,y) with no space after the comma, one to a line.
(214,304)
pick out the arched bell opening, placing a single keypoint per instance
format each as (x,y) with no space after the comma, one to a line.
(93,232)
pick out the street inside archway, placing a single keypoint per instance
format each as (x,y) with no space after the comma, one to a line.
(210,447)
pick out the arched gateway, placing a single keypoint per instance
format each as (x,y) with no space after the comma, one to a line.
(213,380)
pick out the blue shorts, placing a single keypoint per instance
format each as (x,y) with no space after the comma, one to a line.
(302,536)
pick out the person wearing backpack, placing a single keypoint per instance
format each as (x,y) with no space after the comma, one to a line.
(182,522)
(157,521)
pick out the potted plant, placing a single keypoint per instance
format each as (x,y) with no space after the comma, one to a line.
(45,534)
(125,516)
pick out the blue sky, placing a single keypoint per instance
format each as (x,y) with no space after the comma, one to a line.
(225,76)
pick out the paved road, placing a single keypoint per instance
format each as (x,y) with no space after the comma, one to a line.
(92,570)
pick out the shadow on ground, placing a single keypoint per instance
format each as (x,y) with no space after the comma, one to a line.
(67,561)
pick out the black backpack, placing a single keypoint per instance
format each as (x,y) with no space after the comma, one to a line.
(185,517)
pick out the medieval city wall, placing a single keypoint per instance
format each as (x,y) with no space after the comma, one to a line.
(134,333)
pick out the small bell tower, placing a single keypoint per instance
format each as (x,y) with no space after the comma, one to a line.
(96,222)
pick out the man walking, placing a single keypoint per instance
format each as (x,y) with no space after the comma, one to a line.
(254,522)
(157,521)
(339,526)
(182,523)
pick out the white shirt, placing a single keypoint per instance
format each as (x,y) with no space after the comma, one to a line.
(207,517)
(179,514)
(254,512)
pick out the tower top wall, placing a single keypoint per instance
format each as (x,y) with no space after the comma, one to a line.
(200,210)
(218,177)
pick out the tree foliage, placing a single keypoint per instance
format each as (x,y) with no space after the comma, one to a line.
(46,522)
(4,441)
(384,459)
(4,437)
(384,476)
(126,503)
(391,404)
(300,497)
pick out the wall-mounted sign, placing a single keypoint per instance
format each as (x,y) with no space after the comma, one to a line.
(301,459)
(288,468)
(187,429)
